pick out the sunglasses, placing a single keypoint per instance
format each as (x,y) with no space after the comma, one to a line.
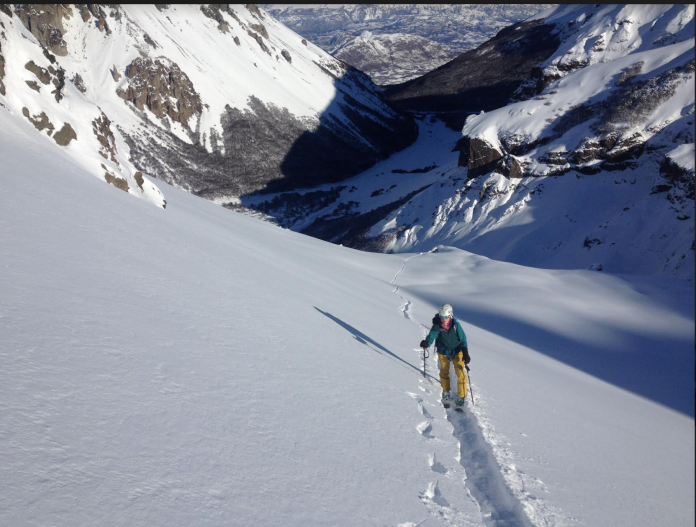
(446,316)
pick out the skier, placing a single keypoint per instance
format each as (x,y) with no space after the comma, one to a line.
(450,342)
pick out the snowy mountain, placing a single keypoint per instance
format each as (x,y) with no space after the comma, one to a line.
(397,42)
(217,100)
(195,366)
(393,57)
(482,79)
(590,166)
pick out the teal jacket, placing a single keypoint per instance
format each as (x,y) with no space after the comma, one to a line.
(447,342)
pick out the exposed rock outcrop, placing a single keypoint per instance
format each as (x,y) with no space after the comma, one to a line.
(254,10)
(65,135)
(260,29)
(58,82)
(161,86)
(2,72)
(87,11)
(212,11)
(79,83)
(41,73)
(678,182)
(45,22)
(259,40)
(33,85)
(117,182)
(139,179)
(102,130)
(483,157)
(40,121)
(46,76)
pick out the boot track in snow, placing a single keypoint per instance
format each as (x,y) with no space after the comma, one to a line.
(484,480)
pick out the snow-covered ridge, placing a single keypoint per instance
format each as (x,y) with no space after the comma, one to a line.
(184,88)
(592,168)
(624,72)
(610,111)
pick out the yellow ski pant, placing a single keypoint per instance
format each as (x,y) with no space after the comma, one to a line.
(458,362)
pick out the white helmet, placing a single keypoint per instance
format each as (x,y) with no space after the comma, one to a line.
(445,310)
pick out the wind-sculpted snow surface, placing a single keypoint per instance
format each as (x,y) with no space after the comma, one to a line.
(219,100)
(197,366)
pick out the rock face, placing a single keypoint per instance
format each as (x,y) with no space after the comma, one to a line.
(79,83)
(102,130)
(481,79)
(2,72)
(161,86)
(41,73)
(481,157)
(65,135)
(117,182)
(40,122)
(45,21)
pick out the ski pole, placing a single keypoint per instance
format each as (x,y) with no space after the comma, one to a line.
(471,389)
(426,354)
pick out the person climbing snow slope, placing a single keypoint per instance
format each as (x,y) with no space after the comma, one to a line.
(451,346)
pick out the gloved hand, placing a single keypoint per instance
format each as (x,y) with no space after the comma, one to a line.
(424,344)
(465,354)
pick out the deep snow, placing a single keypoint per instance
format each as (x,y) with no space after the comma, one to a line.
(194,366)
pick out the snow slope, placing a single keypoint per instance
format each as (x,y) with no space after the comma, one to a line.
(184,88)
(194,366)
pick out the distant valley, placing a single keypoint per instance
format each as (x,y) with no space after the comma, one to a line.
(394,43)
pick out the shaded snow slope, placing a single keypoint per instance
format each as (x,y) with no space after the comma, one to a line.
(196,366)
(215,100)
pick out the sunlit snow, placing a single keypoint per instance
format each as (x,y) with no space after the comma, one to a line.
(194,366)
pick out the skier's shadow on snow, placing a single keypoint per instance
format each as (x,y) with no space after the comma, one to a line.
(367,341)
